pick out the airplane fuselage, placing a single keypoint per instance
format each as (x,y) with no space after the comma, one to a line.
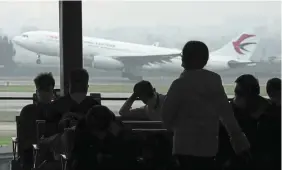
(47,43)
(102,54)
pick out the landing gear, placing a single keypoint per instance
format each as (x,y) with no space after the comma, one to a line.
(131,76)
(38,61)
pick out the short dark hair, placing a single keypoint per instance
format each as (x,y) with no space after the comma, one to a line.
(102,114)
(143,88)
(273,85)
(79,76)
(44,81)
(195,55)
(249,84)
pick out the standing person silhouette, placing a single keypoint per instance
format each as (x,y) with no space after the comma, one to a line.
(194,105)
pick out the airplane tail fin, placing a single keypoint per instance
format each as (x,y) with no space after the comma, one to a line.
(241,48)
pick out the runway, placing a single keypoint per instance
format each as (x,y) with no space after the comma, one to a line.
(156,81)
(9,109)
(262,71)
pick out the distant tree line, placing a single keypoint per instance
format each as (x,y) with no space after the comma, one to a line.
(7,51)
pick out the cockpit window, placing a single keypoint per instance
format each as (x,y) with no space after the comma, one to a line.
(24,35)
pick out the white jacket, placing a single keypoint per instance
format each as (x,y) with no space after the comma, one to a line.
(194,105)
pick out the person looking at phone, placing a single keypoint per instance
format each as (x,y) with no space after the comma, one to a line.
(153,101)
(94,141)
(44,83)
(76,103)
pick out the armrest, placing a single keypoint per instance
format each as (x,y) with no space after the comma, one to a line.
(35,156)
(15,147)
(64,161)
(64,156)
(14,139)
(35,146)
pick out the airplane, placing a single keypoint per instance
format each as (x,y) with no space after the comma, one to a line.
(234,54)
(130,58)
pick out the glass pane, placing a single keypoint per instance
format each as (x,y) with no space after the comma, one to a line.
(9,109)
(125,42)
(29,45)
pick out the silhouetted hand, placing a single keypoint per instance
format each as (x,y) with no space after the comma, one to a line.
(134,96)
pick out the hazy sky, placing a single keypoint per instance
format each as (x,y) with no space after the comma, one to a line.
(213,19)
(110,14)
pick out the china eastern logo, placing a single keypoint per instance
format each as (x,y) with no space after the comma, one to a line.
(239,46)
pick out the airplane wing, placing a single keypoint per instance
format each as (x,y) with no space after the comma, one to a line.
(236,64)
(143,59)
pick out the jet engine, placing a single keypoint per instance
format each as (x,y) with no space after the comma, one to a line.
(235,64)
(106,63)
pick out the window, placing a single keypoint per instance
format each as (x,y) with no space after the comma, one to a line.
(129,34)
(22,59)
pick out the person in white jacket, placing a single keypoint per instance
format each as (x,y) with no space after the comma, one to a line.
(195,104)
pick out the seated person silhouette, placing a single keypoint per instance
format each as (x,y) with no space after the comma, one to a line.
(194,105)
(76,103)
(273,89)
(94,144)
(269,129)
(153,101)
(247,106)
(247,97)
(44,84)
(92,130)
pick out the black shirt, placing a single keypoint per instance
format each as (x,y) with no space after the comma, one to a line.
(87,147)
(27,131)
(66,104)
(248,117)
(269,130)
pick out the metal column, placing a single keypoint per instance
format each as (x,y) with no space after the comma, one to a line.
(70,13)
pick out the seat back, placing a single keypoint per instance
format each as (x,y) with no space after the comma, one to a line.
(57,93)
(97,97)
(68,140)
(16,140)
(34,98)
(155,145)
